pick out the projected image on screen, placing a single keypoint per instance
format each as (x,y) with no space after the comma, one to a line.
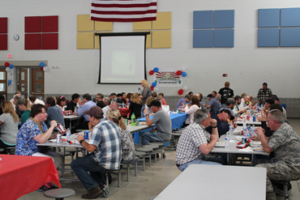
(122,59)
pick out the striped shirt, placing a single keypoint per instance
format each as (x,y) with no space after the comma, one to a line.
(106,138)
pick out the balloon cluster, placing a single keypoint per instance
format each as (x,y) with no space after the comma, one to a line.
(42,67)
(183,74)
(8,66)
(151,72)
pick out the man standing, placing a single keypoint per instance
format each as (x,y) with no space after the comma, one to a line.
(114,104)
(214,105)
(162,120)
(225,93)
(72,104)
(88,103)
(99,100)
(264,93)
(195,142)
(105,148)
(285,145)
(183,101)
(223,116)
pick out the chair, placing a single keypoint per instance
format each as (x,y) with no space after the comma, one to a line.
(152,198)
(147,151)
(59,194)
(1,150)
(283,105)
(9,149)
(283,192)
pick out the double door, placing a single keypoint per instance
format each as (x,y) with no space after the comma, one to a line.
(31,81)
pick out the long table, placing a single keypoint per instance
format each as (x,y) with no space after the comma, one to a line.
(20,175)
(217,182)
(71,118)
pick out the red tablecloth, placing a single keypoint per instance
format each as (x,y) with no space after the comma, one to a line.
(124,112)
(20,175)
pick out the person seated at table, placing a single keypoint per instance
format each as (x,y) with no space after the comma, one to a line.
(200,97)
(135,106)
(223,116)
(267,106)
(2,99)
(191,94)
(61,102)
(114,104)
(128,98)
(215,95)
(236,110)
(53,112)
(277,101)
(162,120)
(9,125)
(229,106)
(105,148)
(285,145)
(88,103)
(149,100)
(106,101)
(127,144)
(17,93)
(191,109)
(73,104)
(124,97)
(164,102)
(213,104)
(34,100)
(251,99)
(112,96)
(119,96)
(16,108)
(183,101)
(244,103)
(24,106)
(195,142)
(99,100)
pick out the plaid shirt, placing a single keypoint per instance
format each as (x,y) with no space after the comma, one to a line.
(263,95)
(106,138)
(190,140)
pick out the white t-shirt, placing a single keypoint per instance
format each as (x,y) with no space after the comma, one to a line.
(105,109)
(9,128)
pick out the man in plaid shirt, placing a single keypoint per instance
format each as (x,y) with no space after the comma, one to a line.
(105,148)
(194,142)
(264,93)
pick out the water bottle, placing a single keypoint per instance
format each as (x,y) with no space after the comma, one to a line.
(132,119)
(253,131)
(75,109)
(244,124)
(68,134)
(227,141)
(231,130)
(123,105)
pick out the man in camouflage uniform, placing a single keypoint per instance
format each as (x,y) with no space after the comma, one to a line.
(285,145)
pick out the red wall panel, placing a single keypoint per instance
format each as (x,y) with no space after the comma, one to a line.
(3,25)
(32,24)
(3,41)
(49,23)
(50,41)
(32,41)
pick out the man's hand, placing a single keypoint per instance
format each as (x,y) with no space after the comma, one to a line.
(146,111)
(254,138)
(213,122)
(79,102)
(53,123)
(80,137)
(259,119)
(263,116)
(260,132)
(234,125)
(152,130)
(243,110)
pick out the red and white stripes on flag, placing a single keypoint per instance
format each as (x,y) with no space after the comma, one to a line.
(123,10)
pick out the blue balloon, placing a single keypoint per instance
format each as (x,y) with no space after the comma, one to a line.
(154,84)
(11,66)
(42,64)
(155,70)
(184,74)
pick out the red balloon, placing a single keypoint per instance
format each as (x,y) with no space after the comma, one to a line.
(6,64)
(41,69)
(151,72)
(151,87)
(180,92)
(179,72)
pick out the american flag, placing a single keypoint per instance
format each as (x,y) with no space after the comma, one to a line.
(123,10)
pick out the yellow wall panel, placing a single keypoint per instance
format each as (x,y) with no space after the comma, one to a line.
(142,25)
(84,23)
(161,39)
(148,39)
(85,40)
(103,26)
(163,21)
(97,44)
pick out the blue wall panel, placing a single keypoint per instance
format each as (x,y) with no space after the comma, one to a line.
(202,38)
(268,17)
(290,37)
(224,38)
(268,37)
(203,19)
(224,19)
(290,17)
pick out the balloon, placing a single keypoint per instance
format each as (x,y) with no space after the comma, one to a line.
(7,69)
(151,87)
(185,87)
(41,68)
(45,69)
(151,72)
(155,69)
(6,64)
(179,72)
(184,74)
(180,92)
(183,68)
(42,64)
(156,89)
(154,84)
(11,66)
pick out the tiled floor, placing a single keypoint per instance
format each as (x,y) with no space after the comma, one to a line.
(148,183)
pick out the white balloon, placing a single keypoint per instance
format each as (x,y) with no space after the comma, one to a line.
(185,87)
(45,69)
(7,69)
(183,68)
(156,89)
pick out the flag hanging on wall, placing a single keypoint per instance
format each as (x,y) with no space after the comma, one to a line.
(123,10)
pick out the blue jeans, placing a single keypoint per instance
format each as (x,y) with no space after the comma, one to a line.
(212,161)
(148,137)
(81,166)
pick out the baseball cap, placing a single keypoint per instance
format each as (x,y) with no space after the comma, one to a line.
(155,103)
(94,111)
(210,95)
(117,101)
(230,101)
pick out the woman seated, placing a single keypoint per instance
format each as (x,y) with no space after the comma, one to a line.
(135,106)
(61,102)
(9,125)
(191,109)
(34,131)
(24,106)
(126,138)
(148,101)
